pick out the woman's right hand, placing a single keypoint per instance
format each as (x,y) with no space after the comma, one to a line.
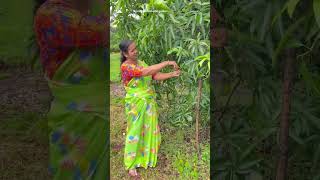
(176,73)
(174,64)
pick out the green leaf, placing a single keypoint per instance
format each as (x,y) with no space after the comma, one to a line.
(296,138)
(286,37)
(315,121)
(266,20)
(255,176)
(308,79)
(292,6)
(278,14)
(247,151)
(316,9)
(160,5)
(201,62)
(316,177)
(173,50)
(249,164)
(161,15)
(193,27)
(172,33)
(173,19)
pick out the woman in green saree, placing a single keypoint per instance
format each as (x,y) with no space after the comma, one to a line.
(143,133)
(74,58)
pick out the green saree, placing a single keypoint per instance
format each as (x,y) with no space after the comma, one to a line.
(143,134)
(77,119)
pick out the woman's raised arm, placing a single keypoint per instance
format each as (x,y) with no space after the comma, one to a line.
(154,69)
(163,76)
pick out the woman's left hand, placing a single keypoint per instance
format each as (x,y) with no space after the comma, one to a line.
(174,64)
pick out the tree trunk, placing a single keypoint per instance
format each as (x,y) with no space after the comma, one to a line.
(215,17)
(198,114)
(218,35)
(284,123)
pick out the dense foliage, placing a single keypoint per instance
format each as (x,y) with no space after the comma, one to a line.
(171,30)
(249,85)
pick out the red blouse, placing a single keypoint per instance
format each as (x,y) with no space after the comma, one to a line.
(60,29)
(128,71)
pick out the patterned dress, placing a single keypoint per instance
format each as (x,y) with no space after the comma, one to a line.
(60,29)
(77,77)
(143,132)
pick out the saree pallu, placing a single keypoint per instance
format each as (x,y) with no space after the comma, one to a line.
(77,119)
(143,133)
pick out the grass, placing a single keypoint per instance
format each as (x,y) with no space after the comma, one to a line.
(177,157)
(4,75)
(24,147)
(115,67)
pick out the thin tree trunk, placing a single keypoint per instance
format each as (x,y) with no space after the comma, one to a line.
(198,114)
(214,16)
(218,34)
(282,168)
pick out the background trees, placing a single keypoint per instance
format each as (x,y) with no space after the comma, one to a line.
(267,81)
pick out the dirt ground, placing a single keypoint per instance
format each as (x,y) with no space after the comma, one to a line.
(24,98)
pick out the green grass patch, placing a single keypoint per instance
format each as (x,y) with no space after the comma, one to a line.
(4,75)
(117,101)
(115,67)
(25,124)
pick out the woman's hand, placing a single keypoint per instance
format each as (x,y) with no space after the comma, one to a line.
(174,64)
(176,73)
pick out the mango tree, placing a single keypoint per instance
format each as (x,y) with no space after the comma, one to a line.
(172,30)
(269,59)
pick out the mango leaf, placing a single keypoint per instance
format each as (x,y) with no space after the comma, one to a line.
(266,20)
(308,79)
(172,33)
(160,5)
(292,6)
(193,27)
(173,50)
(249,164)
(173,19)
(278,15)
(286,37)
(316,9)
(161,16)
(296,138)
(255,176)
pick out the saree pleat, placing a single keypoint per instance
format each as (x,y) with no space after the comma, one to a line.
(77,119)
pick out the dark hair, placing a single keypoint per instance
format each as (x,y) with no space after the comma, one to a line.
(124,45)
